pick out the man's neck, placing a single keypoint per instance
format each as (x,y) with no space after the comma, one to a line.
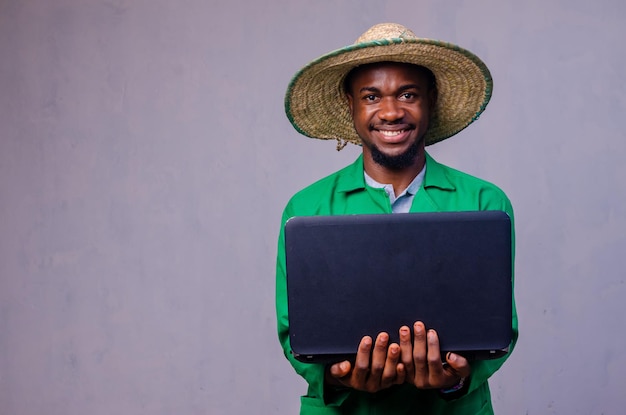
(400,179)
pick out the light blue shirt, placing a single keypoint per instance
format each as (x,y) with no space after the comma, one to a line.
(401,203)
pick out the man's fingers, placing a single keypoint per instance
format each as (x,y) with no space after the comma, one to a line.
(406,350)
(340,370)
(428,370)
(401,374)
(362,363)
(458,365)
(379,356)
(389,375)
(419,353)
(435,366)
(377,366)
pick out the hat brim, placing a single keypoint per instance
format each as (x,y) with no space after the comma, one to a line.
(317,107)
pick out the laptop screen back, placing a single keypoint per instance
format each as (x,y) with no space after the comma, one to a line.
(356,275)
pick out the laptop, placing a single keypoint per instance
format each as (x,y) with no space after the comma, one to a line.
(355,275)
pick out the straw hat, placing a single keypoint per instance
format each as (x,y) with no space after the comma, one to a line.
(317,107)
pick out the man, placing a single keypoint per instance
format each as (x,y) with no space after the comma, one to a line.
(393,94)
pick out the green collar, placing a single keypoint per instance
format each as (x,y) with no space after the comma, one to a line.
(351,177)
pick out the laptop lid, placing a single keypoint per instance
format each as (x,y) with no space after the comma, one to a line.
(355,275)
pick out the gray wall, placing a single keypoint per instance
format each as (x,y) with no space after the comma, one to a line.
(145,160)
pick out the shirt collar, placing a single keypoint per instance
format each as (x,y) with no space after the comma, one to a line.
(411,189)
(436,175)
(352,178)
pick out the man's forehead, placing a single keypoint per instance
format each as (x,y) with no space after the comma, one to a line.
(391,66)
(418,74)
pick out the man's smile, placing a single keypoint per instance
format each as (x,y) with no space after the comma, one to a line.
(393,135)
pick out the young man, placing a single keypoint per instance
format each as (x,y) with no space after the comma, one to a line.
(393,94)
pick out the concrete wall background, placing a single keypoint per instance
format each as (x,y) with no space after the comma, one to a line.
(145,160)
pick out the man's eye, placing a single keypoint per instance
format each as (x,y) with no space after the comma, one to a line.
(370,97)
(408,95)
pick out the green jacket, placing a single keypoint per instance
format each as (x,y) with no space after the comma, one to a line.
(345,192)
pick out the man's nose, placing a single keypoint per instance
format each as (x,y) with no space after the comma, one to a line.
(390,110)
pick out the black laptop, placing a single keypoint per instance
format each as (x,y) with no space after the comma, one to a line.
(355,275)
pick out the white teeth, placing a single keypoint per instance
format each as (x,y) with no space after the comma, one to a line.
(390,133)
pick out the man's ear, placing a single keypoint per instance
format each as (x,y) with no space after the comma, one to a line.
(432,99)
(350,102)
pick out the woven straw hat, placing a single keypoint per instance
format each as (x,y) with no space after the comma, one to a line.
(317,107)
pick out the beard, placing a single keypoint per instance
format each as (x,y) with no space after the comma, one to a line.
(397,162)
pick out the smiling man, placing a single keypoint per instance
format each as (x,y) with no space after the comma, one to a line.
(393,94)
(390,104)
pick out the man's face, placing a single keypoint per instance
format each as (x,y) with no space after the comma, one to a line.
(390,105)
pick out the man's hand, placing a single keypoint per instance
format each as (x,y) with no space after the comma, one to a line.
(422,360)
(384,370)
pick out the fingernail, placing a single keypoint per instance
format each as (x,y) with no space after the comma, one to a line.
(451,357)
